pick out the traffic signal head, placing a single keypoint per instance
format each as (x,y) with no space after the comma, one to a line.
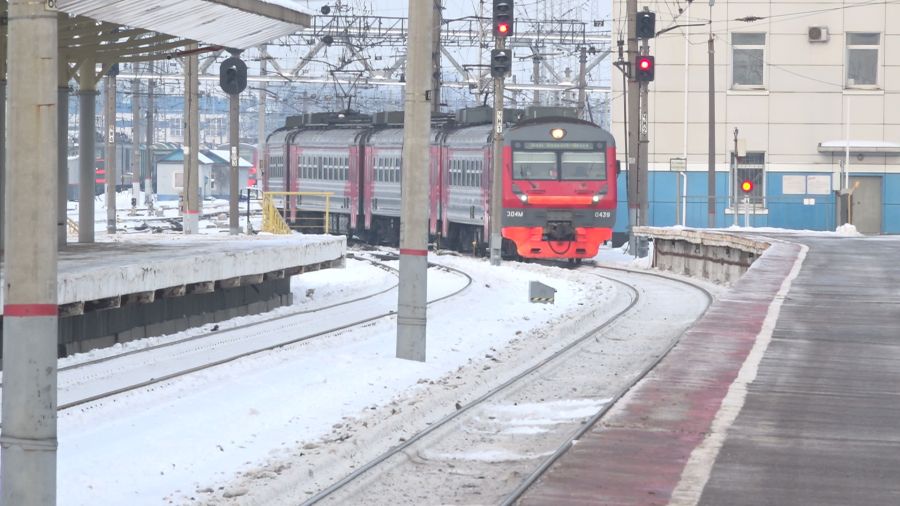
(501,62)
(746,186)
(233,75)
(646,25)
(503,18)
(644,68)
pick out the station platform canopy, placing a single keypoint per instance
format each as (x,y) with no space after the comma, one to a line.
(231,23)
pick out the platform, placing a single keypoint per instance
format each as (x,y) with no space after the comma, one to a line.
(784,393)
(144,285)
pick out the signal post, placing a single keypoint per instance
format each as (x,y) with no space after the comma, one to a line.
(233,80)
(501,66)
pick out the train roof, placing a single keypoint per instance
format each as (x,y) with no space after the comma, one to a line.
(576,130)
(393,136)
(328,137)
(470,136)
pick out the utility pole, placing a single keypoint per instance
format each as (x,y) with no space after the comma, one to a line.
(136,144)
(110,158)
(536,75)
(634,127)
(497,165)
(582,81)
(411,314)
(501,66)
(643,160)
(261,126)
(30,320)
(734,179)
(436,57)
(711,169)
(233,80)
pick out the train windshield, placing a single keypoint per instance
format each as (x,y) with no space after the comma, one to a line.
(588,166)
(539,165)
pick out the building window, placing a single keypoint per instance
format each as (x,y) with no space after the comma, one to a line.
(748,60)
(751,167)
(862,59)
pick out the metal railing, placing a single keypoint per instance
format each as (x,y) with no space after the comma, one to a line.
(275,222)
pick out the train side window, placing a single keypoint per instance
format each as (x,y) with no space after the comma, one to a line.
(320,173)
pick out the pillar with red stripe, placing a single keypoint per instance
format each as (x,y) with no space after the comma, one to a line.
(28,435)
(414,187)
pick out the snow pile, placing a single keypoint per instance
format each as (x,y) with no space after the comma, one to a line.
(847,230)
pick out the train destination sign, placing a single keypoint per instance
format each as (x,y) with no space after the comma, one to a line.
(571,146)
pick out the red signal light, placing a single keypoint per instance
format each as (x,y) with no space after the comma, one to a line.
(644,63)
(503,28)
(747,186)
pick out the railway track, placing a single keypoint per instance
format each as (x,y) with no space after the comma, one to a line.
(449,449)
(97,379)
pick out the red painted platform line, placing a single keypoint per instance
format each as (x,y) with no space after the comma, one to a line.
(414,252)
(637,455)
(27,310)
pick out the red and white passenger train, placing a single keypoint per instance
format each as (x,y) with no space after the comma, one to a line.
(559,181)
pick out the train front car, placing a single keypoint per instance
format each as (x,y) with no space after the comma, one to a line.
(559,189)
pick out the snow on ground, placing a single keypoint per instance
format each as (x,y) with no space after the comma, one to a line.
(175,440)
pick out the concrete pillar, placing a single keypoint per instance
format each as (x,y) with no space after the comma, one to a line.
(87,156)
(414,186)
(62,153)
(2,137)
(28,439)
(234,138)
(261,128)
(136,141)
(191,144)
(496,208)
(148,184)
(111,157)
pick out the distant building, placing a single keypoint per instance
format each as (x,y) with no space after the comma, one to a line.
(214,178)
(791,83)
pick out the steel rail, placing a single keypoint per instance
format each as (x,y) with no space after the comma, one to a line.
(545,465)
(465,408)
(117,356)
(284,344)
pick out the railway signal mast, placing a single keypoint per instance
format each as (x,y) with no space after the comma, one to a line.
(641,28)
(501,66)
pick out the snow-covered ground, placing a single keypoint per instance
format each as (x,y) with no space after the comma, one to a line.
(181,440)
(190,440)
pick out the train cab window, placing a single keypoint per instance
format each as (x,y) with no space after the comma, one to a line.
(539,165)
(583,166)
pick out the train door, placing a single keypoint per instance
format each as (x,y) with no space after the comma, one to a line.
(865,204)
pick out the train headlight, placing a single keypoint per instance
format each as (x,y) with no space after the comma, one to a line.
(596,198)
(523,198)
(557,133)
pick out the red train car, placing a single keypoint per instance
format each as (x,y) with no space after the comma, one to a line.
(559,181)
